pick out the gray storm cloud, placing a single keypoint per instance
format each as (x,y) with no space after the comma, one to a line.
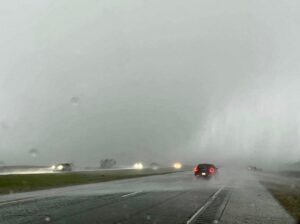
(148,81)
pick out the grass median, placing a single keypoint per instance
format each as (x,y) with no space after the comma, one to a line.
(287,195)
(30,182)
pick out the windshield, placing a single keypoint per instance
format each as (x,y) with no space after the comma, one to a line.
(108,107)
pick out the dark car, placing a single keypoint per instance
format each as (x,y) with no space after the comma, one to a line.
(205,170)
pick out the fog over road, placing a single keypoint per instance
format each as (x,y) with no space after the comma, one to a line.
(172,198)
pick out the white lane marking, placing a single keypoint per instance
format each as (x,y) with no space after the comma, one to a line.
(17,201)
(130,194)
(210,200)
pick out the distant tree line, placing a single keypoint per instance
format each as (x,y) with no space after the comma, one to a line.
(107,163)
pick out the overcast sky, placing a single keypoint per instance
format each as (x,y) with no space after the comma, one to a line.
(149,81)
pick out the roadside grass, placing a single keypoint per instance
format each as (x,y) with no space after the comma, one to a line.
(288,196)
(30,182)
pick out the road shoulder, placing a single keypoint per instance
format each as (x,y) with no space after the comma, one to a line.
(250,202)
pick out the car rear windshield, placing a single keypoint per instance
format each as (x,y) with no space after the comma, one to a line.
(205,166)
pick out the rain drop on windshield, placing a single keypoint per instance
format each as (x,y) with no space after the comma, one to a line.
(47,219)
(75,100)
(33,152)
(4,125)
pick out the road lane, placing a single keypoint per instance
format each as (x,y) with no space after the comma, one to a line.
(130,194)
(172,198)
(204,207)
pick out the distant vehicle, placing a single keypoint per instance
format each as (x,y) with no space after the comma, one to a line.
(63,167)
(205,170)
(254,168)
(154,166)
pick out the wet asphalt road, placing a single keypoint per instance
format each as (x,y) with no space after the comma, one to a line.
(174,198)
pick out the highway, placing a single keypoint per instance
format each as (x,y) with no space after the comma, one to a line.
(235,197)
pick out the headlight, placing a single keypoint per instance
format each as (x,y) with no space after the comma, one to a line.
(177,165)
(53,167)
(60,167)
(138,166)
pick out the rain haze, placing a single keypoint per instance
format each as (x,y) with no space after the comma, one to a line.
(148,81)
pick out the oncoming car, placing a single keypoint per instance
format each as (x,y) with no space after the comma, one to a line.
(205,170)
(66,167)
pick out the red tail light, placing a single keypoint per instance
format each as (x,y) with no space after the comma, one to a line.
(196,169)
(211,170)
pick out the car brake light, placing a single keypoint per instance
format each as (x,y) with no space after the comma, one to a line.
(211,170)
(196,169)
